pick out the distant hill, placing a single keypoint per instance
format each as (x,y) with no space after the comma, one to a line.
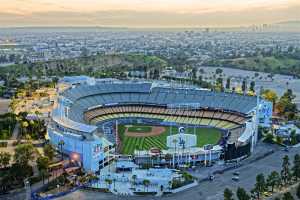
(288,25)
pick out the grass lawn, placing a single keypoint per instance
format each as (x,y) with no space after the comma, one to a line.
(139,129)
(129,144)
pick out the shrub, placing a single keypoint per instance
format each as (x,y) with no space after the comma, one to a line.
(3,144)
(269,138)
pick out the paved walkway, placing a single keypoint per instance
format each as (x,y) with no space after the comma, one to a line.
(16,132)
(4,105)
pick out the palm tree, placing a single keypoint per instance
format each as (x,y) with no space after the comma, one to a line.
(108,182)
(168,158)
(146,183)
(44,173)
(170,185)
(61,143)
(134,177)
(24,125)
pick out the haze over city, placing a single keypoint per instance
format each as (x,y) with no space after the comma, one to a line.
(150,99)
(147,13)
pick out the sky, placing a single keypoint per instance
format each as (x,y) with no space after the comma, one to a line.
(146,13)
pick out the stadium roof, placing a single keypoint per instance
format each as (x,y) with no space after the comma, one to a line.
(58,117)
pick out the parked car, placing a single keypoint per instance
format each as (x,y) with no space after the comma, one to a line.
(236,178)
(236,173)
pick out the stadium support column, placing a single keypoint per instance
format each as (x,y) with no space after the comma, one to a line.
(255,121)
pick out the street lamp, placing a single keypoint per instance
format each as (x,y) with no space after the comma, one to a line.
(61,143)
(27,188)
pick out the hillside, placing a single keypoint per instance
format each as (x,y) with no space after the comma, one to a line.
(99,66)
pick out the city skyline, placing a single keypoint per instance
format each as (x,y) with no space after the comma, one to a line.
(147,13)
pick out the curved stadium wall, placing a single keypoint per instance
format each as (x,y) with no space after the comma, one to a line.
(81,108)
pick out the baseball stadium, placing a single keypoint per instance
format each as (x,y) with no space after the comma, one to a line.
(98,122)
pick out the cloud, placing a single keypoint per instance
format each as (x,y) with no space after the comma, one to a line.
(151,18)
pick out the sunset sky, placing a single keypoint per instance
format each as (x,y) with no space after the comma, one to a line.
(143,13)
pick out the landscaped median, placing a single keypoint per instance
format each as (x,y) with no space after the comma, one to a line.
(184,187)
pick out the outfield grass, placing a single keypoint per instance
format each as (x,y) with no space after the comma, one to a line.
(139,129)
(129,144)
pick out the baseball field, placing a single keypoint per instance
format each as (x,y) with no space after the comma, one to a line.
(144,137)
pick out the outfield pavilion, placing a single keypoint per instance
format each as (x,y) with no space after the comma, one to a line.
(83,110)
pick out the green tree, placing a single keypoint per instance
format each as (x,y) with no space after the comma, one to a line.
(252,86)
(298,191)
(228,83)
(296,167)
(4,159)
(279,139)
(285,171)
(285,105)
(289,95)
(219,84)
(244,86)
(134,177)
(260,185)
(242,194)
(108,182)
(42,163)
(24,154)
(270,95)
(194,73)
(44,173)
(293,137)
(24,127)
(273,180)
(146,183)
(269,138)
(156,74)
(5,183)
(287,196)
(228,194)
(219,71)
(49,151)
